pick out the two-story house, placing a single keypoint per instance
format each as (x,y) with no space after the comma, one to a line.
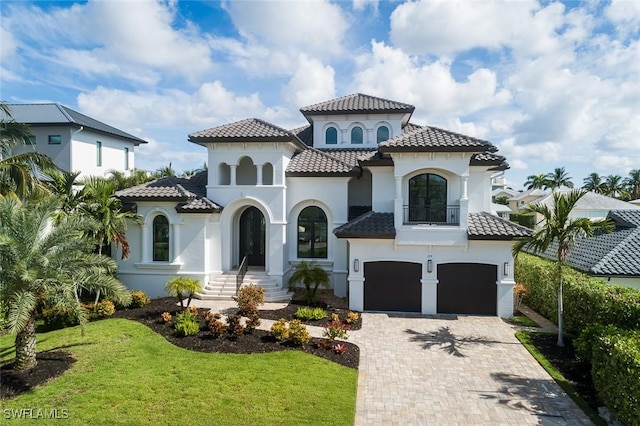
(74,141)
(395,212)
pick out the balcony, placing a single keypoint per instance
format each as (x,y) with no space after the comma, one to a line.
(440,215)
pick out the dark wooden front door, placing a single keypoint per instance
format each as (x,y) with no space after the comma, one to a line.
(252,236)
(467,288)
(392,286)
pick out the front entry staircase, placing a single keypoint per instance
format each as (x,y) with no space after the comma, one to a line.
(223,287)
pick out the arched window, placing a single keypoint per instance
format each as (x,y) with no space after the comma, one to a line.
(312,233)
(427,199)
(382,134)
(331,136)
(356,135)
(160,239)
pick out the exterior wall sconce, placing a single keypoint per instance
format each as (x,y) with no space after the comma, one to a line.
(429,266)
(356,265)
(507,269)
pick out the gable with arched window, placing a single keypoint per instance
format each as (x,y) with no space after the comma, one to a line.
(427,199)
(160,238)
(312,233)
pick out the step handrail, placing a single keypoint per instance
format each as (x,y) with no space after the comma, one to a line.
(242,271)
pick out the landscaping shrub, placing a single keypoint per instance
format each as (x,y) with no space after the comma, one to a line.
(179,286)
(103,309)
(235,327)
(216,326)
(587,300)
(186,324)
(336,329)
(139,299)
(352,317)
(279,330)
(59,317)
(166,317)
(294,332)
(253,321)
(249,298)
(310,314)
(524,219)
(615,368)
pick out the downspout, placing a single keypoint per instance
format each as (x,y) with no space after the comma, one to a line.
(71,168)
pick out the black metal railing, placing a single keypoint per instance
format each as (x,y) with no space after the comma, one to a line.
(440,215)
(242,271)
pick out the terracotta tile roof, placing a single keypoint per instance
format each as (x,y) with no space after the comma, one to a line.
(489,159)
(351,156)
(485,226)
(433,139)
(357,103)
(249,130)
(614,254)
(369,225)
(313,162)
(410,127)
(190,192)
(305,134)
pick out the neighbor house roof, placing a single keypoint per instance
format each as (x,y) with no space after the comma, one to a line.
(248,130)
(529,193)
(614,254)
(53,114)
(485,226)
(591,201)
(357,103)
(189,192)
(433,139)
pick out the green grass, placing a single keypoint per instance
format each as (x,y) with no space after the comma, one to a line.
(522,321)
(127,374)
(524,337)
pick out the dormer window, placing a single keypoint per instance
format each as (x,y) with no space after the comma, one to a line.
(356,135)
(382,134)
(331,136)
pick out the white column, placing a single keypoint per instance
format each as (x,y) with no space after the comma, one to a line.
(429,295)
(465,184)
(259,174)
(176,242)
(398,206)
(146,243)
(369,136)
(233,168)
(343,133)
(356,293)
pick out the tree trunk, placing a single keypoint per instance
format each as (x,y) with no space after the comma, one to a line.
(560,307)
(26,346)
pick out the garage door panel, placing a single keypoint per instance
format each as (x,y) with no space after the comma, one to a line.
(467,288)
(392,286)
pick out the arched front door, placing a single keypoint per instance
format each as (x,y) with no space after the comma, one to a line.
(252,236)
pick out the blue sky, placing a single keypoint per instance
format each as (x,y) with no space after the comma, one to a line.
(550,83)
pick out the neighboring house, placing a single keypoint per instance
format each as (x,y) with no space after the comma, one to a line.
(614,257)
(396,213)
(75,141)
(501,210)
(592,205)
(522,199)
(503,192)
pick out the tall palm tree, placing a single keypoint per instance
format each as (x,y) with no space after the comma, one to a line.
(594,183)
(537,181)
(561,229)
(613,186)
(166,171)
(18,173)
(44,261)
(64,184)
(633,184)
(558,178)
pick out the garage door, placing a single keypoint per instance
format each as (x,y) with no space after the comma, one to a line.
(467,288)
(392,286)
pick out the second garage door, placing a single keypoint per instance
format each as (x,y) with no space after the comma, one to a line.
(392,286)
(467,288)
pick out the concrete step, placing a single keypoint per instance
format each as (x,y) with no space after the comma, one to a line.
(223,287)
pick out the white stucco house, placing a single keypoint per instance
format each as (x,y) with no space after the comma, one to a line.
(74,141)
(398,214)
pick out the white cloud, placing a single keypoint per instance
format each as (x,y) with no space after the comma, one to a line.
(625,14)
(360,5)
(312,82)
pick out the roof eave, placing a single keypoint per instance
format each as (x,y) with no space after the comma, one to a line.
(431,149)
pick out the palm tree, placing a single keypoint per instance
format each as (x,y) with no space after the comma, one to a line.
(537,181)
(18,173)
(46,262)
(633,184)
(166,171)
(64,184)
(594,183)
(123,181)
(613,186)
(561,229)
(558,178)
(311,275)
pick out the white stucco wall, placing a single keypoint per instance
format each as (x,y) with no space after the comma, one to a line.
(632,282)
(344,123)
(60,154)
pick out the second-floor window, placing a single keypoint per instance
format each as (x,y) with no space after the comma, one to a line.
(382,134)
(98,153)
(55,139)
(427,198)
(357,135)
(331,136)
(31,140)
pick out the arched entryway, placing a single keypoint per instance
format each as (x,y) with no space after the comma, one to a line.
(252,236)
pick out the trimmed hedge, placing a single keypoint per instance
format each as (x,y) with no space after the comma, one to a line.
(615,368)
(524,219)
(587,300)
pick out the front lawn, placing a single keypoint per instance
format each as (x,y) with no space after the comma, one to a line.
(127,374)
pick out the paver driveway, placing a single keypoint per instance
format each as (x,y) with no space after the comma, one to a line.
(463,370)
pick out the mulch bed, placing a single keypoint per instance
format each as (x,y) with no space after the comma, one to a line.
(51,364)
(564,360)
(259,341)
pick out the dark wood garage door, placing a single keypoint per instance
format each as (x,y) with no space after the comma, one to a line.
(467,288)
(392,286)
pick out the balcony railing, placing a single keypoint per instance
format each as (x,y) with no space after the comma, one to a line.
(443,215)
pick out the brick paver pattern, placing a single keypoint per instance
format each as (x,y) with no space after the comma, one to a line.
(453,370)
